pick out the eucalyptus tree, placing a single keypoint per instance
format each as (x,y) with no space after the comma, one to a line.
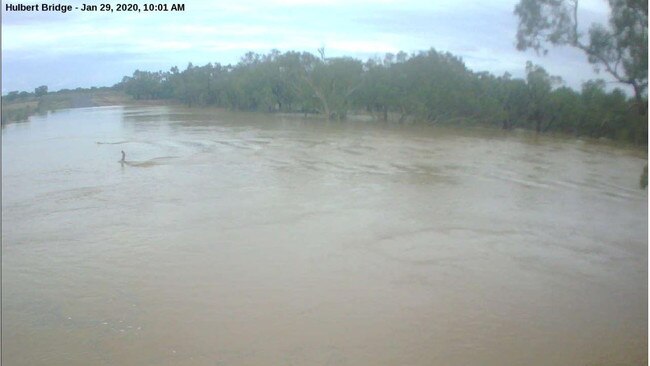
(539,85)
(564,111)
(144,84)
(40,91)
(620,47)
(337,80)
(326,84)
(512,94)
(377,92)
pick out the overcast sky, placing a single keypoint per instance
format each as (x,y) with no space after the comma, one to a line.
(81,49)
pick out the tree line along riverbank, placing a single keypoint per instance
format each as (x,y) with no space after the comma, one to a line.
(427,87)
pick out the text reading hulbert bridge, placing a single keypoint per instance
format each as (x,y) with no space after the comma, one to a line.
(64,8)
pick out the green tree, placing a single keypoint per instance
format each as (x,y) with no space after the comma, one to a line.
(621,48)
(513,97)
(13,95)
(40,91)
(564,111)
(539,84)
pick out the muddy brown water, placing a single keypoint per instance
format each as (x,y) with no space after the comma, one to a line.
(247,239)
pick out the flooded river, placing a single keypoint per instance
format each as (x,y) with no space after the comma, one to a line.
(249,239)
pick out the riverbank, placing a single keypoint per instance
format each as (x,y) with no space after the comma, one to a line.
(21,108)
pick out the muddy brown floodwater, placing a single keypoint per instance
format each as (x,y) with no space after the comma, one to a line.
(249,239)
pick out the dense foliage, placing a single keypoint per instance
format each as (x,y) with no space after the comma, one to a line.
(620,48)
(430,86)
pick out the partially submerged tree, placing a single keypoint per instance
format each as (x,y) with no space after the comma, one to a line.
(539,84)
(621,48)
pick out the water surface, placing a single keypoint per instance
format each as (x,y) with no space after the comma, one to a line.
(246,239)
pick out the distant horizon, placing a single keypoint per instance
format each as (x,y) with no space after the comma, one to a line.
(611,85)
(85,49)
